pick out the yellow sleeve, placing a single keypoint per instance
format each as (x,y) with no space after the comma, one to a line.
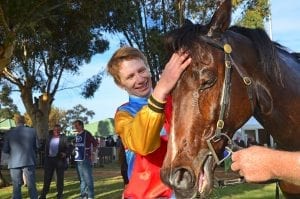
(141,133)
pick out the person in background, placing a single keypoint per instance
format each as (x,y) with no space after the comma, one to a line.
(239,142)
(110,142)
(85,146)
(21,144)
(56,149)
(251,142)
(140,122)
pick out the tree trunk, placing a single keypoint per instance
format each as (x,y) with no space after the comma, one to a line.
(6,53)
(38,109)
(40,117)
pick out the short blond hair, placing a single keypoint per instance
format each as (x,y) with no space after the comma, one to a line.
(123,54)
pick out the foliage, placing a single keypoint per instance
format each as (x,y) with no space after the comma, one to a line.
(91,85)
(7,106)
(106,127)
(41,41)
(144,23)
(49,39)
(28,120)
(78,112)
(254,13)
(57,116)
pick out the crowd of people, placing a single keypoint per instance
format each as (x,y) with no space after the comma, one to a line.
(21,144)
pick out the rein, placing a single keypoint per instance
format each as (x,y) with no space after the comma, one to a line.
(225,98)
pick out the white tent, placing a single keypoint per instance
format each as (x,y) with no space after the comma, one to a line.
(251,129)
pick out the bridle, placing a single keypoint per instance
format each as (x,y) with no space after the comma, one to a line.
(224,102)
(225,97)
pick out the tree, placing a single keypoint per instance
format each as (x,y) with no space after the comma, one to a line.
(16,16)
(57,116)
(255,12)
(143,23)
(106,127)
(78,112)
(7,107)
(50,38)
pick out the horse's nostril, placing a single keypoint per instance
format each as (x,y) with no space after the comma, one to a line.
(182,179)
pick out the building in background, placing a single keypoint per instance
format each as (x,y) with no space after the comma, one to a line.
(253,131)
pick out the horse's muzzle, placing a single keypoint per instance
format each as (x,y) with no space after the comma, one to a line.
(181,180)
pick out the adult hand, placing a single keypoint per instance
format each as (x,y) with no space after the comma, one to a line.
(255,163)
(173,69)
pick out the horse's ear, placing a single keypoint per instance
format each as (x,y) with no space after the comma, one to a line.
(221,19)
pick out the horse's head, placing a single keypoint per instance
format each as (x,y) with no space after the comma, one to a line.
(200,108)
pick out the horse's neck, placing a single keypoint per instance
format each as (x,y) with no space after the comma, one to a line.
(278,107)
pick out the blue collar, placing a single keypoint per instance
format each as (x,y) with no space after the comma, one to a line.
(134,105)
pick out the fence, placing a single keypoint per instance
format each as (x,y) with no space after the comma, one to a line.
(103,156)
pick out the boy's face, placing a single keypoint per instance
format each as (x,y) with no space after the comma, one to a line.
(135,78)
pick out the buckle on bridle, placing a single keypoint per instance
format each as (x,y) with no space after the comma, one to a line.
(220,124)
(216,138)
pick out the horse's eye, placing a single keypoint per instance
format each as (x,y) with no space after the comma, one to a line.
(207,79)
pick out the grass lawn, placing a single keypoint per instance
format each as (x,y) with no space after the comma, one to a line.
(107,179)
(108,185)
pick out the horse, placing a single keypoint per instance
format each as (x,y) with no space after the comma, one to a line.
(235,73)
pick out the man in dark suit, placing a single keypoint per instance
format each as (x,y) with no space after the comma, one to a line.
(21,144)
(56,149)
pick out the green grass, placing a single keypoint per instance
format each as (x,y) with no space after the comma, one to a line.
(109,185)
(107,181)
(246,191)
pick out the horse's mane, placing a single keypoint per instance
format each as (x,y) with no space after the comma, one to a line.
(267,50)
(184,37)
(297,55)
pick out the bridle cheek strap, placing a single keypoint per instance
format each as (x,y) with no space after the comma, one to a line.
(225,98)
(224,103)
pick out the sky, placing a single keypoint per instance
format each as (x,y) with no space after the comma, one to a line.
(285,29)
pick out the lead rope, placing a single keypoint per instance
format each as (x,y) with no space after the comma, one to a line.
(277,190)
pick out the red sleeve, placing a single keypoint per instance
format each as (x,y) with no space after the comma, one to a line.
(168,113)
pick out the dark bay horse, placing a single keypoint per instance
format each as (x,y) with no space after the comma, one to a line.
(235,73)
